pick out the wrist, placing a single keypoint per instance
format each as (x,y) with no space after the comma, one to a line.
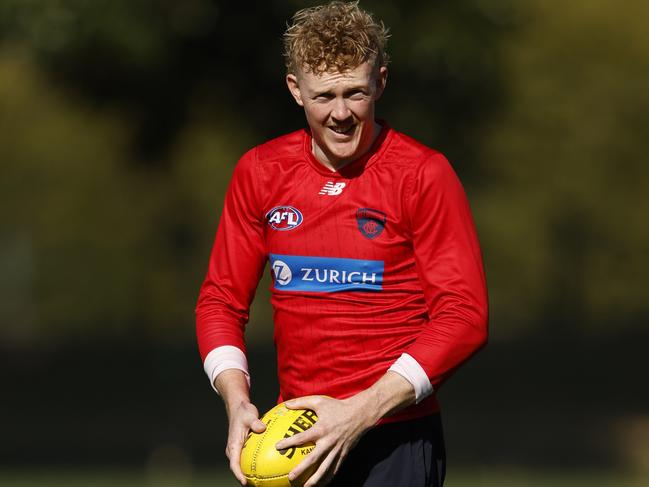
(232,386)
(365,408)
(388,395)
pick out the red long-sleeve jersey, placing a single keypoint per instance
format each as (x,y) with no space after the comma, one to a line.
(377,259)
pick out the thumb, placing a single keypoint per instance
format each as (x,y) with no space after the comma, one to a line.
(258,426)
(306,402)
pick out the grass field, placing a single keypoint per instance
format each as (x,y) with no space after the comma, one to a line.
(484,478)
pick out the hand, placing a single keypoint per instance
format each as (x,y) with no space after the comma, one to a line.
(242,419)
(341,423)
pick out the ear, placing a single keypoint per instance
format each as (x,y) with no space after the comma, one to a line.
(381,81)
(294,87)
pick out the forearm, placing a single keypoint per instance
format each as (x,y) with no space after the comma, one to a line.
(391,393)
(232,386)
(243,416)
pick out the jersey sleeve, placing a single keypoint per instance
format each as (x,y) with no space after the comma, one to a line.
(236,263)
(449,265)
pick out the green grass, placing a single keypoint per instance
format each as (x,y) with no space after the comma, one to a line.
(459,478)
(112,478)
(539,478)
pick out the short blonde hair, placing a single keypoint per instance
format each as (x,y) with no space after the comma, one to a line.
(336,36)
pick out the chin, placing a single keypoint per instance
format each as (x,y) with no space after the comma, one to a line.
(344,151)
(344,156)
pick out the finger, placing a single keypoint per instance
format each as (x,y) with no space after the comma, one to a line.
(337,465)
(235,461)
(235,445)
(235,467)
(312,435)
(324,473)
(313,458)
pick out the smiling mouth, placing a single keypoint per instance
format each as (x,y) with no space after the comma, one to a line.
(347,130)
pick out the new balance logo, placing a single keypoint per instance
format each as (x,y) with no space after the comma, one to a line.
(332,189)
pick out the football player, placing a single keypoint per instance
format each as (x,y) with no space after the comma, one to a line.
(378,288)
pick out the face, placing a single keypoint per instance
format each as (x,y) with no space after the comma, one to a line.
(339,109)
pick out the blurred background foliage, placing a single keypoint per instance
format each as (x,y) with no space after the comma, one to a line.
(121,121)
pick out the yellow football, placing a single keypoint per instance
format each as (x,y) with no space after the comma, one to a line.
(264,465)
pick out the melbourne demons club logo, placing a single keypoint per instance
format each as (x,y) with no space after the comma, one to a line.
(284,218)
(370,222)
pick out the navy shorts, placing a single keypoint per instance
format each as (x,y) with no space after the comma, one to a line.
(403,454)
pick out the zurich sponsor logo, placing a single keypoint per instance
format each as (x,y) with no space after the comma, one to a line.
(326,274)
(284,218)
(282,273)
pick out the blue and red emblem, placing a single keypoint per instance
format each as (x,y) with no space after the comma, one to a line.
(370,222)
(284,218)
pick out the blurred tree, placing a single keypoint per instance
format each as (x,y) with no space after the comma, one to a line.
(121,121)
(92,245)
(124,120)
(563,221)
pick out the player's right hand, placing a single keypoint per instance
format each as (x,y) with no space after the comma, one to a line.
(242,419)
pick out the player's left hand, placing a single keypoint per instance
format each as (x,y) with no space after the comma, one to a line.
(341,423)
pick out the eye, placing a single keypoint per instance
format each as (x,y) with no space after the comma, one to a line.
(357,95)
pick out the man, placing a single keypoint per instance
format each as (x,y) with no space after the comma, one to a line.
(378,289)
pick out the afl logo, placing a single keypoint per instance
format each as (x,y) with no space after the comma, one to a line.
(282,273)
(284,218)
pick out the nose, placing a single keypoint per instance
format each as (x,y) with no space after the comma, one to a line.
(340,111)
